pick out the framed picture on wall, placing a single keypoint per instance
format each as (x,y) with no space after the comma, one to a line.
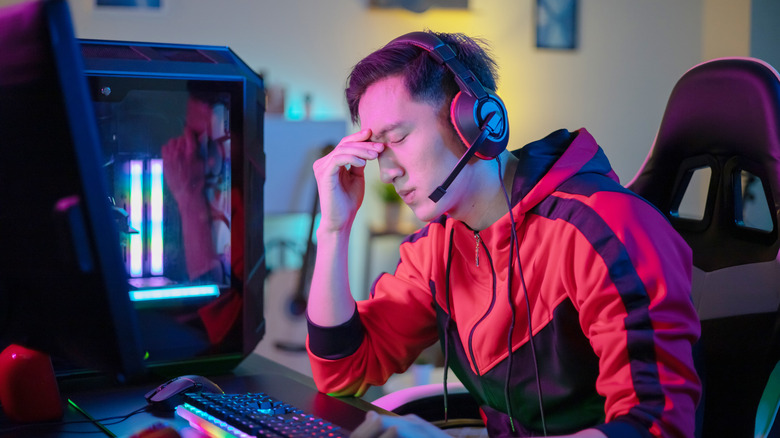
(556,24)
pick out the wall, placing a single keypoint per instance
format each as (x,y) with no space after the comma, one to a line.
(764,32)
(726,28)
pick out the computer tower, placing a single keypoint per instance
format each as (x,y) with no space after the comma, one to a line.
(181,129)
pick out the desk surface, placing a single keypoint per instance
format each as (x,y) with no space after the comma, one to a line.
(254,374)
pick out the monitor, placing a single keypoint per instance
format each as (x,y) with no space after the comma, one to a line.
(63,285)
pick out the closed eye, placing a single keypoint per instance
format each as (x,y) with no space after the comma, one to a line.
(400,140)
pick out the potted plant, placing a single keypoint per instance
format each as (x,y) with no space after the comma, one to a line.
(392,203)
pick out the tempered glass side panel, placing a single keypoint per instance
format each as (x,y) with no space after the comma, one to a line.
(169,149)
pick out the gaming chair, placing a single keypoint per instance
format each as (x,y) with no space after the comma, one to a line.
(714,171)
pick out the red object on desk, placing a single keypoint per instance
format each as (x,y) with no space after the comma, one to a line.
(157,431)
(28,386)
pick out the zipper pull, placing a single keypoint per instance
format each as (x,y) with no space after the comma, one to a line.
(476,249)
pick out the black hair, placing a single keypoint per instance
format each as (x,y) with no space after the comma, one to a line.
(425,79)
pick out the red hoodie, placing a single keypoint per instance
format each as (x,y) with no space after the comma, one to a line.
(608,281)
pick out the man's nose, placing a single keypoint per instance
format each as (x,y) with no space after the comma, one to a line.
(389,169)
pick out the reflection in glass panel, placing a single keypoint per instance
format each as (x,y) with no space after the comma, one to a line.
(694,201)
(752,209)
(168,154)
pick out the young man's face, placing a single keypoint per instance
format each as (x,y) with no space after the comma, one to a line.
(420,147)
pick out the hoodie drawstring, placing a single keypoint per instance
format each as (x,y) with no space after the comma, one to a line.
(447,326)
(514,247)
(512,242)
(507,398)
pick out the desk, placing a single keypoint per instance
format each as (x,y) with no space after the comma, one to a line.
(254,374)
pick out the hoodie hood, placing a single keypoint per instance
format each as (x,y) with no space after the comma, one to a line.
(547,163)
(543,167)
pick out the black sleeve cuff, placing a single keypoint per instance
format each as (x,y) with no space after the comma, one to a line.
(336,342)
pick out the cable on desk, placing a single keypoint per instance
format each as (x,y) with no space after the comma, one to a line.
(100,422)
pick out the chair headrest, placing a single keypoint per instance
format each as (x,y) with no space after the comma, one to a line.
(720,112)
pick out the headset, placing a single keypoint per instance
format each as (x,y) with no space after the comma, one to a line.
(478,115)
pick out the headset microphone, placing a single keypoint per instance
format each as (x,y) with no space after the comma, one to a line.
(477,114)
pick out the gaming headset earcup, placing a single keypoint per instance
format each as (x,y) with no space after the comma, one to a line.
(468,114)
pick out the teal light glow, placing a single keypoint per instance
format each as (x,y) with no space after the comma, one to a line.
(136,217)
(168,293)
(156,216)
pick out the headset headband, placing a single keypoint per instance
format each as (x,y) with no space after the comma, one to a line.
(444,55)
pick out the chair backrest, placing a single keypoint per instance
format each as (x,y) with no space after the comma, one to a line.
(714,171)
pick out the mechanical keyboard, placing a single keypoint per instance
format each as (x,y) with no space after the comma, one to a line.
(251,415)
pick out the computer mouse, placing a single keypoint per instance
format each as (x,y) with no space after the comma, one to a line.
(171,393)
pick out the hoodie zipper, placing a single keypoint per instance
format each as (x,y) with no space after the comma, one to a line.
(476,248)
(487,312)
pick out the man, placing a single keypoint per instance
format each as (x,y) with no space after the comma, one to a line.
(592,271)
